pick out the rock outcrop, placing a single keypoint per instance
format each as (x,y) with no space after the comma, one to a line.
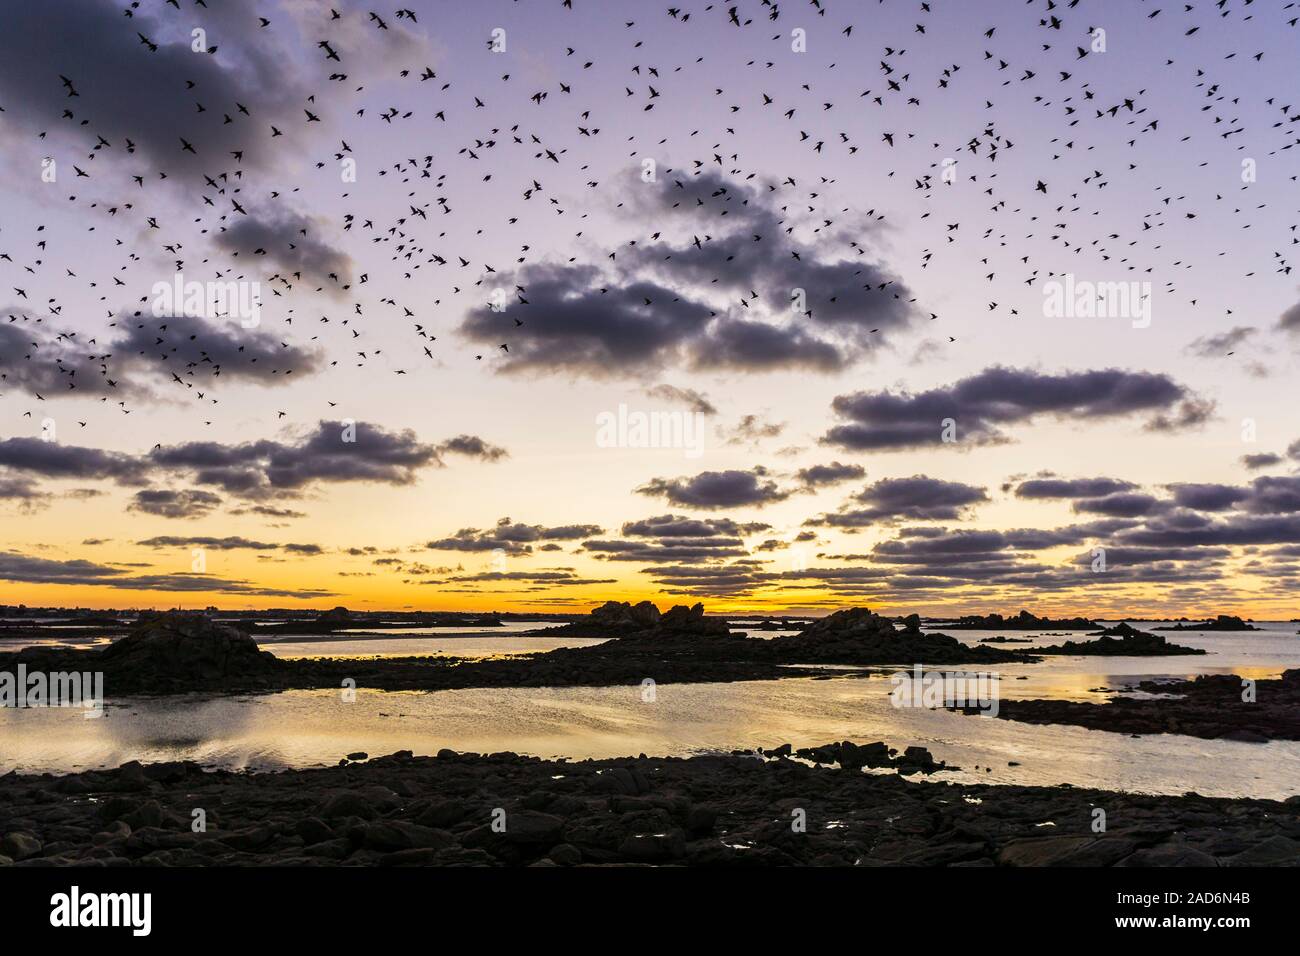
(166,652)
(1024,621)
(1211,707)
(1223,622)
(857,635)
(1122,640)
(643,621)
(189,650)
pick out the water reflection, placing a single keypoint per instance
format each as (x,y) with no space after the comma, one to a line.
(304,728)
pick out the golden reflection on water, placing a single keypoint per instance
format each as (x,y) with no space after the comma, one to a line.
(300,728)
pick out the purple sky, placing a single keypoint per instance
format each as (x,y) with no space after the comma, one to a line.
(869,396)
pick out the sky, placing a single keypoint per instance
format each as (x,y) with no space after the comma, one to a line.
(945,307)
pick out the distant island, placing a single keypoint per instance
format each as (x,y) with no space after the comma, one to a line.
(1223,622)
(1024,621)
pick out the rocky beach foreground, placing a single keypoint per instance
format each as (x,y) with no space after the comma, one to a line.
(726,810)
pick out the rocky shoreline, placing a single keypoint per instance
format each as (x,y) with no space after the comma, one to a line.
(509,810)
(1212,707)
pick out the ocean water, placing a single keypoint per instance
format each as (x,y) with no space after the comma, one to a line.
(311,728)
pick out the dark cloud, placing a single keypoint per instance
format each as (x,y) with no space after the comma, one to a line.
(231,543)
(672,538)
(552,577)
(737,578)
(471,446)
(146,352)
(20,489)
(204,350)
(54,460)
(1207,496)
(673,526)
(33,570)
(307,550)
(1124,504)
(37,362)
(169,503)
(332,452)
(983,404)
(1290,320)
(1261,460)
(1071,487)
(850,299)
(579,325)
(511,537)
(127,93)
(918,498)
(290,241)
(269,511)
(718,489)
(1272,494)
(1219,344)
(696,401)
(1190,413)
(750,430)
(1235,529)
(724,302)
(745,345)
(816,476)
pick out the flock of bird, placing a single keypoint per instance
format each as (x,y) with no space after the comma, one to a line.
(529,138)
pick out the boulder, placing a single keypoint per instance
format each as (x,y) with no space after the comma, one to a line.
(347,804)
(20,845)
(530,826)
(1169,854)
(187,649)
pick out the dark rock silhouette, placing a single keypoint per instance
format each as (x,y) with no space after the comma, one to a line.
(1211,707)
(643,621)
(1024,621)
(1122,640)
(165,652)
(188,649)
(857,635)
(335,615)
(1223,622)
